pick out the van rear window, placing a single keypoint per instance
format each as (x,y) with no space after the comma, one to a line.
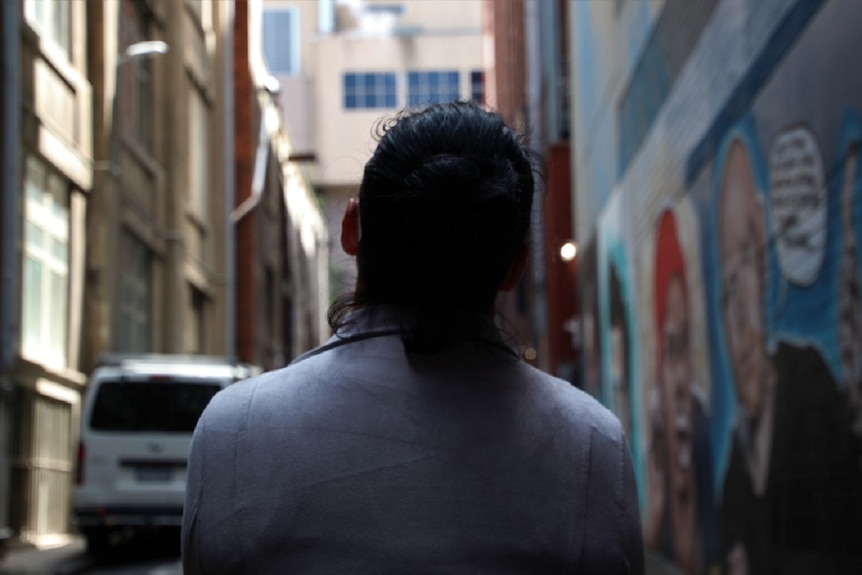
(147,406)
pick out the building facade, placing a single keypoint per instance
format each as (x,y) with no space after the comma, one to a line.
(48,152)
(715,154)
(344,66)
(124,212)
(157,225)
(282,242)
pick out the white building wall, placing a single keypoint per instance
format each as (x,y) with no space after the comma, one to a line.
(344,137)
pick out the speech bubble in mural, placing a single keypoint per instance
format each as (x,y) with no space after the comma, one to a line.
(798,201)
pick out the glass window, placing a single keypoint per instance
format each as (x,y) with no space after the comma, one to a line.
(46,264)
(165,406)
(434,87)
(477,86)
(281,40)
(199,151)
(196,323)
(52,20)
(369,90)
(135,79)
(135,305)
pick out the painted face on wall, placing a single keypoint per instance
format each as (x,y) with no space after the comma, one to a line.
(742,242)
(676,384)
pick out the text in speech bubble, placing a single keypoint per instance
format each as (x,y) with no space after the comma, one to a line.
(798,199)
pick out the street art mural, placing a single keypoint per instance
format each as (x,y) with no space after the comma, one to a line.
(682,514)
(591,352)
(729,322)
(619,387)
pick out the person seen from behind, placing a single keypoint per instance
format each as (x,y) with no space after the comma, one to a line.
(416,440)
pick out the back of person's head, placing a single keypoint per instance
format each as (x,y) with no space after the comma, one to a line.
(444,210)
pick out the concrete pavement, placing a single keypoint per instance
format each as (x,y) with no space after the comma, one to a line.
(63,556)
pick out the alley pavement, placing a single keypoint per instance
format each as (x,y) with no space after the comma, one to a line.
(62,557)
(69,557)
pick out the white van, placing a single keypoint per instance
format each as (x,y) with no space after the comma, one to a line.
(137,420)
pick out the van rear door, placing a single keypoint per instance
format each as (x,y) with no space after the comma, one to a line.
(137,439)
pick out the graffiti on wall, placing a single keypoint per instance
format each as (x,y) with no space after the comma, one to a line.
(729,333)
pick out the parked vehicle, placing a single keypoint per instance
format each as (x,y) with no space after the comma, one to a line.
(137,420)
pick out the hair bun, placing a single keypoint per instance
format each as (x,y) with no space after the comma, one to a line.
(468,179)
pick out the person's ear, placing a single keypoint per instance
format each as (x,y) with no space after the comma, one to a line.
(350,228)
(516,270)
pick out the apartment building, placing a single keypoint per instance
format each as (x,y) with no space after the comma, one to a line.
(282,243)
(126,218)
(343,66)
(47,180)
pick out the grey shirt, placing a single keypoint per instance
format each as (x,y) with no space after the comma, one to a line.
(358,458)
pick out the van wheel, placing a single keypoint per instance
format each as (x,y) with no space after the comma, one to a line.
(98,540)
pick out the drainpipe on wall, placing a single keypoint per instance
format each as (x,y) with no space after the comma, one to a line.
(229,189)
(532,34)
(10,229)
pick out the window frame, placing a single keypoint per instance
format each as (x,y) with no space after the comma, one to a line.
(136,305)
(294,44)
(198,133)
(425,87)
(369,90)
(46,211)
(477,86)
(52,20)
(135,77)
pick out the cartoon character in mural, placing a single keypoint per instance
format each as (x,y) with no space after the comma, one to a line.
(683,516)
(849,308)
(788,489)
(620,370)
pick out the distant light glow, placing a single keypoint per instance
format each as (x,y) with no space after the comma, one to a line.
(568,251)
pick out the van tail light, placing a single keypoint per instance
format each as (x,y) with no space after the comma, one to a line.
(79,468)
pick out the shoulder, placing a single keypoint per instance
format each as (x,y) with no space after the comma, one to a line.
(573,404)
(229,408)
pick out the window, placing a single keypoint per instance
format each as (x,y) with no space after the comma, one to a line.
(477,86)
(136,300)
(393,9)
(196,324)
(52,20)
(199,152)
(281,40)
(46,264)
(135,77)
(425,88)
(369,90)
(146,406)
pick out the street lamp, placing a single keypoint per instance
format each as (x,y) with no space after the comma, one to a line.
(134,51)
(141,49)
(109,253)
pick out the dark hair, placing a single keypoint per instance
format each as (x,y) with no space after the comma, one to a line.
(444,208)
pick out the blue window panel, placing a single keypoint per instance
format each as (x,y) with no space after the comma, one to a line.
(453,79)
(432,87)
(370,90)
(281,40)
(477,86)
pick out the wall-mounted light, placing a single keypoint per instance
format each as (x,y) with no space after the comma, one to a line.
(568,251)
